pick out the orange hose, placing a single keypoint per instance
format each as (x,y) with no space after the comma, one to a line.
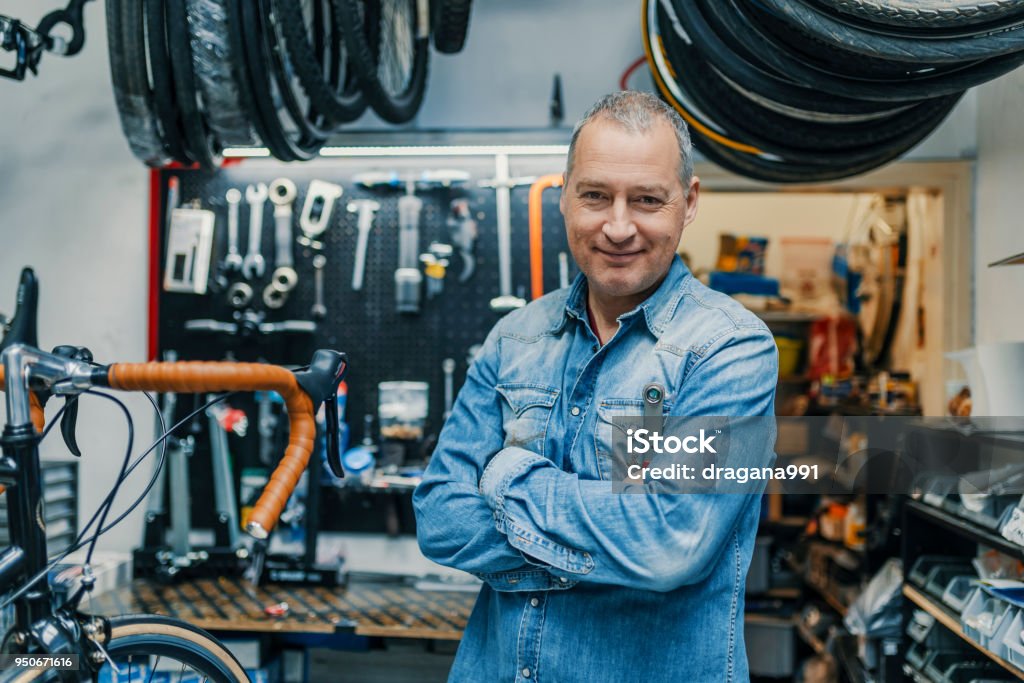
(537,231)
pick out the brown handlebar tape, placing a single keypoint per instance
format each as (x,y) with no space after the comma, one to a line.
(38,419)
(199,377)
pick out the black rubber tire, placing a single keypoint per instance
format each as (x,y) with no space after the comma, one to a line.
(808,19)
(928,14)
(126,50)
(199,141)
(214,63)
(364,48)
(783,65)
(449,24)
(337,105)
(156,635)
(163,86)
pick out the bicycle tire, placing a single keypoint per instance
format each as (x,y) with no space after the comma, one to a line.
(214,65)
(449,24)
(199,141)
(163,87)
(337,107)
(810,20)
(928,13)
(132,95)
(777,60)
(394,103)
(143,635)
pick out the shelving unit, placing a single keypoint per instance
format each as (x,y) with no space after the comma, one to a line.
(965,528)
(951,622)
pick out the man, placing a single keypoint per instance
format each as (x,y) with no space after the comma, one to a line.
(583,583)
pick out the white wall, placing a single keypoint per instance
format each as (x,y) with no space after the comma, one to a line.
(73,201)
(999,227)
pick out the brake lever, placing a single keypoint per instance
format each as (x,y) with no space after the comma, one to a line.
(333,437)
(69,420)
(321,382)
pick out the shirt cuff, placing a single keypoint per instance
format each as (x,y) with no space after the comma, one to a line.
(499,472)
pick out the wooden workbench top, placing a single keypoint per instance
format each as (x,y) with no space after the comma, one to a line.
(392,610)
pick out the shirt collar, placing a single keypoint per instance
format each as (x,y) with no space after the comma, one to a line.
(657,309)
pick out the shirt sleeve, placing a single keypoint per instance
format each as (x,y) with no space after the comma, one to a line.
(583,530)
(454,525)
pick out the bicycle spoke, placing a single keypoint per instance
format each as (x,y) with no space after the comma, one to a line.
(152,671)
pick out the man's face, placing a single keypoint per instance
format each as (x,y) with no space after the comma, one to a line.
(625,208)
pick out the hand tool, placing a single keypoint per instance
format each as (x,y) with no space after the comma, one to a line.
(249,323)
(316,211)
(503,184)
(448,367)
(435,266)
(366,209)
(240,295)
(274,298)
(535,206)
(253,265)
(407,275)
(319,309)
(225,504)
(233,259)
(282,194)
(463,231)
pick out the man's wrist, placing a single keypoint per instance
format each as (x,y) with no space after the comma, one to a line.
(505,464)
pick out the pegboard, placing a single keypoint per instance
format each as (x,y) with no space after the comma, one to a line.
(381,343)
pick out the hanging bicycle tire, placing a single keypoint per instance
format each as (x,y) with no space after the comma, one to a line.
(388,42)
(145,644)
(928,13)
(449,24)
(320,78)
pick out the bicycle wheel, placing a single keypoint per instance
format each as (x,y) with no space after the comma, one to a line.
(388,43)
(144,644)
(302,39)
(929,13)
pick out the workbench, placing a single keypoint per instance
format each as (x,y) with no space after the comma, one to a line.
(392,610)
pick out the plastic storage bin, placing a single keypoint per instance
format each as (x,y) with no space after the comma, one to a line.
(1012,645)
(941,575)
(958,591)
(759,577)
(921,571)
(771,646)
(983,616)
(931,635)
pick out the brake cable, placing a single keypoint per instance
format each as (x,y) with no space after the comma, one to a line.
(28,44)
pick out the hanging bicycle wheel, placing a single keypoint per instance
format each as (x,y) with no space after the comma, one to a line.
(148,647)
(389,45)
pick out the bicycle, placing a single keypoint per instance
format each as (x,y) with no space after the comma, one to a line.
(52,634)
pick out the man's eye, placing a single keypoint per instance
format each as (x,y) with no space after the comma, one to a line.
(592,195)
(649,201)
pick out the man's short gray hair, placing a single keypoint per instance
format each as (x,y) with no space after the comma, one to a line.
(637,111)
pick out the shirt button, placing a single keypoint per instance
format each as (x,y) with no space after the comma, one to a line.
(526,673)
(534,602)
(575,411)
(563,579)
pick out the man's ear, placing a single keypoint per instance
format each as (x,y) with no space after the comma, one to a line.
(692,199)
(561,195)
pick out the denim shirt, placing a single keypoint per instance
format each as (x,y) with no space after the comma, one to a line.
(581,583)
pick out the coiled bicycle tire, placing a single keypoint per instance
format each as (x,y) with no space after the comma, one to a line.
(215,68)
(810,20)
(928,14)
(127,55)
(202,146)
(449,24)
(337,105)
(163,87)
(366,41)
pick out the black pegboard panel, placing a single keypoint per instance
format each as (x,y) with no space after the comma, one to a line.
(381,343)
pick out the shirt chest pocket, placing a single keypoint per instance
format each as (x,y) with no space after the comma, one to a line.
(526,411)
(614,417)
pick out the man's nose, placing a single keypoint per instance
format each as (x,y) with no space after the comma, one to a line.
(619,227)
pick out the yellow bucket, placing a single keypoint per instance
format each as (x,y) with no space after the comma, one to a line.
(790,351)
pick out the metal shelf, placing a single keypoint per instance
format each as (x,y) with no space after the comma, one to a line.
(951,622)
(965,528)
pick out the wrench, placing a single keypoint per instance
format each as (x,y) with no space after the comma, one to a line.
(366,208)
(233,260)
(448,367)
(253,266)
(319,310)
(282,194)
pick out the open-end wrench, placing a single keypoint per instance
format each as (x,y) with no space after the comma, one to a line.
(233,260)
(282,194)
(366,208)
(253,266)
(319,310)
